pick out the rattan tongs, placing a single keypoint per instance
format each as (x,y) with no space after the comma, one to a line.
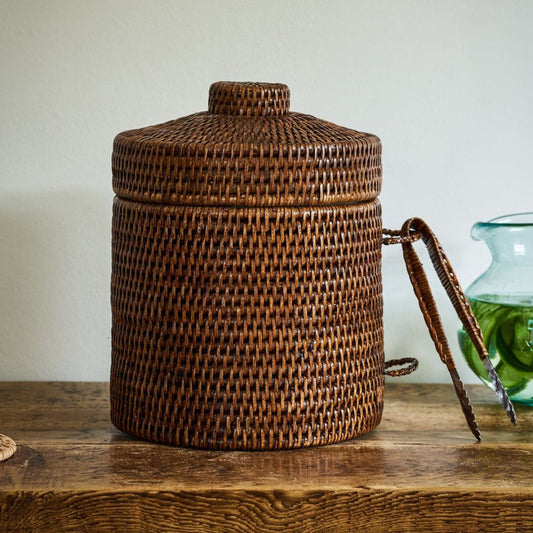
(413,230)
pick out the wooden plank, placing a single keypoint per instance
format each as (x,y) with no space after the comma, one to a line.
(420,469)
(45,406)
(261,511)
(387,467)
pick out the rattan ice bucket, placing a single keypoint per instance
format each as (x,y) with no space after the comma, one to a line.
(246,277)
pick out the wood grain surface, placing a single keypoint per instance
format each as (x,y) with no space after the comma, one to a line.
(419,470)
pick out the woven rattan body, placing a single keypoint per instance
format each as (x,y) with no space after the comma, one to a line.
(246,282)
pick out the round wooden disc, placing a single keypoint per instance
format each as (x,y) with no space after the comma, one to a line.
(7,447)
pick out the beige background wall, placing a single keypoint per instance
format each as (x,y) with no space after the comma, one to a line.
(447,85)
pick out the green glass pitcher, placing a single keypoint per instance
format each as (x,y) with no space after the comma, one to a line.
(502,301)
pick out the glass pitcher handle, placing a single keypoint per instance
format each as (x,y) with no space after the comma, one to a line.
(413,230)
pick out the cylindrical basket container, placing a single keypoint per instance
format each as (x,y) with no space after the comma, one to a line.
(246,277)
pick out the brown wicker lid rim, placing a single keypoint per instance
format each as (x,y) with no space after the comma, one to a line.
(247,149)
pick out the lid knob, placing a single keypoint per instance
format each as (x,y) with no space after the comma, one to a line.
(249,98)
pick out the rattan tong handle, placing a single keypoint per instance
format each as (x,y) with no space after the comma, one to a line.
(412,230)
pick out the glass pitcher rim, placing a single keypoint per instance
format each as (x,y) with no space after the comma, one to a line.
(513,220)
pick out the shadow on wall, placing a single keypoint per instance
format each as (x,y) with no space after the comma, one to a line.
(55,263)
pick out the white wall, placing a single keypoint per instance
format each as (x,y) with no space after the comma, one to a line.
(447,85)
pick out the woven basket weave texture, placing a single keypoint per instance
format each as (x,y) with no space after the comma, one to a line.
(246,278)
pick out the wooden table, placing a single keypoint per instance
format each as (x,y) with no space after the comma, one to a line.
(421,470)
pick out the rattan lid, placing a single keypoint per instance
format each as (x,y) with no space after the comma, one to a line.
(247,149)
